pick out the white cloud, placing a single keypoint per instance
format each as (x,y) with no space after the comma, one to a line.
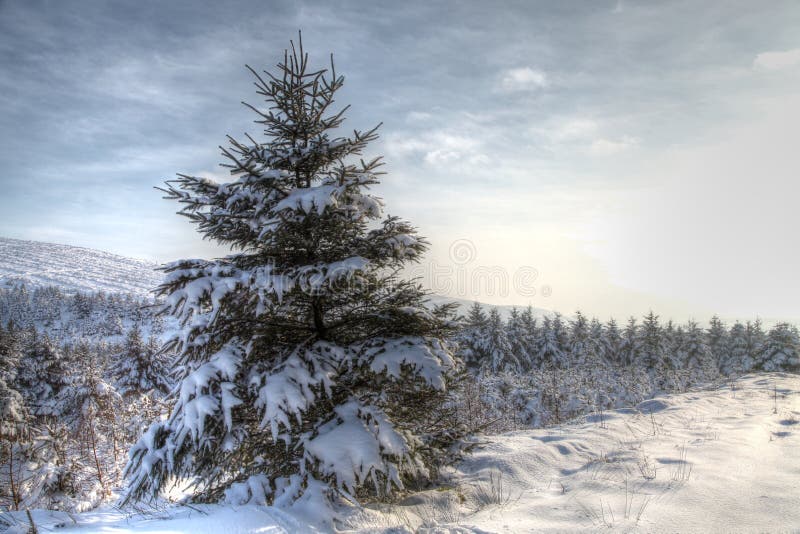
(418,116)
(523,79)
(609,147)
(439,147)
(575,129)
(441,156)
(777,60)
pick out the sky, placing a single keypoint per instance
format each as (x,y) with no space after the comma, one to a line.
(613,157)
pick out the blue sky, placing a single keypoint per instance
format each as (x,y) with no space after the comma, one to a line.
(637,155)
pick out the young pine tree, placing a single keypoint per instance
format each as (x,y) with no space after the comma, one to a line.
(738,359)
(717,335)
(578,336)
(90,405)
(10,352)
(754,339)
(14,441)
(41,374)
(630,344)
(501,356)
(612,342)
(471,337)
(307,364)
(140,369)
(652,344)
(781,350)
(518,334)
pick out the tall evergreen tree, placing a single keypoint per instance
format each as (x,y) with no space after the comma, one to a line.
(307,363)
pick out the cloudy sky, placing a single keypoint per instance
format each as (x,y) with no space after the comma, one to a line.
(611,156)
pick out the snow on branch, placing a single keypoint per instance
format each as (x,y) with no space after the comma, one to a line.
(291,389)
(355,445)
(427,357)
(198,398)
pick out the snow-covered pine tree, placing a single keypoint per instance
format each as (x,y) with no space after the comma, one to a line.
(10,352)
(630,343)
(89,405)
(676,346)
(518,333)
(695,354)
(651,344)
(781,350)
(530,334)
(578,339)
(13,444)
(471,337)
(717,335)
(139,368)
(612,342)
(500,353)
(308,364)
(598,347)
(671,337)
(738,359)
(142,377)
(41,374)
(552,344)
(754,334)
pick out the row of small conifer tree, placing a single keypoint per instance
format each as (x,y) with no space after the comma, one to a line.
(524,342)
(69,413)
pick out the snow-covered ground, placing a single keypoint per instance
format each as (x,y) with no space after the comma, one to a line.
(74,268)
(720,460)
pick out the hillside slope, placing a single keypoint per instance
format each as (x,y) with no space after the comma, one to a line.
(74,269)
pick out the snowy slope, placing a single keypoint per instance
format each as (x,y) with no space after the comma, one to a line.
(82,269)
(721,460)
(74,268)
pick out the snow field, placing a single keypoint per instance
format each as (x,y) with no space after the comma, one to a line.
(719,460)
(723,460)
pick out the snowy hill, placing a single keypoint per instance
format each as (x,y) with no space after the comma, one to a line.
(719,460)
(73,269)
